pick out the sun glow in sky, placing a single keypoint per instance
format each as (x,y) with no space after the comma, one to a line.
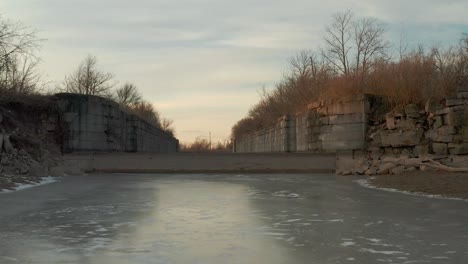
(201,62)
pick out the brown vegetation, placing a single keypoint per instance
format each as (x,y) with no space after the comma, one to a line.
(355,59)
(203,145)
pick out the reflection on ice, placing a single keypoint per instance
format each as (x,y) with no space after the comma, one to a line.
(125,219)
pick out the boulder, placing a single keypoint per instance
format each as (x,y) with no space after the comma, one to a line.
(412,111)
(390,122)
(386,168)
(371,171)
(458,149)
(431,106)
(398,170)
(406,124)
(376,139)
(385,138)
(406,138)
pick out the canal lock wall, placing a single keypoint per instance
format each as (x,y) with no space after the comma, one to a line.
(369,137)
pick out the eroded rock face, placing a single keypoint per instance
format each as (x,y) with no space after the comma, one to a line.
(7,146)
(439,131)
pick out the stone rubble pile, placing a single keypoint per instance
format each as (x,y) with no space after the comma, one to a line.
(439,132)
(27,151)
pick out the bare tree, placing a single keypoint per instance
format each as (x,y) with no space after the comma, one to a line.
(23,77)
(353,45)
(18,44)
(128,95)
(87,79)
(369,44)
(168,125)
(338,41)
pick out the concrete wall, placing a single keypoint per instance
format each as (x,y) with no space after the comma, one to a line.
(92,123)
(324,127)
(203,162)
(275,138)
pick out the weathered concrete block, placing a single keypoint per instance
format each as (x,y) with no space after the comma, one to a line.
(431,106)
(406,124)
(385,138)
(443,138)
(438,122)
(447,130)
(457,118)
(446,110)
(462,95)
(347,119)
(342,136)
(440,148)
(458,149)
(376,139)
(343,145)
(453,101)
(361,127)
(421,150)
(412,111)
(406,138)
(390,122)
(464,133)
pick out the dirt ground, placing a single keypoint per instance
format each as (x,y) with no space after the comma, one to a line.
(448,184)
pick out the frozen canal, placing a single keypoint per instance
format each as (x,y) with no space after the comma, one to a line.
(317,219)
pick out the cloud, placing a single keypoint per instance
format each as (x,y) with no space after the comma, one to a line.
(202,61)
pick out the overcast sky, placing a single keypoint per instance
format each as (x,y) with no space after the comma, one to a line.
(201,62)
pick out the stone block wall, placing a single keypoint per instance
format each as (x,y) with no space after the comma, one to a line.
(93,123)
(440,128)
(275,138)
(324,127)
(339,125)
(405,138)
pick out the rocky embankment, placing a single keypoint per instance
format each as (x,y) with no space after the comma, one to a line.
(433,137)
(28,143)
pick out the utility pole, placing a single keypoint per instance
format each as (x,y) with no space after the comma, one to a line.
(209,132)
